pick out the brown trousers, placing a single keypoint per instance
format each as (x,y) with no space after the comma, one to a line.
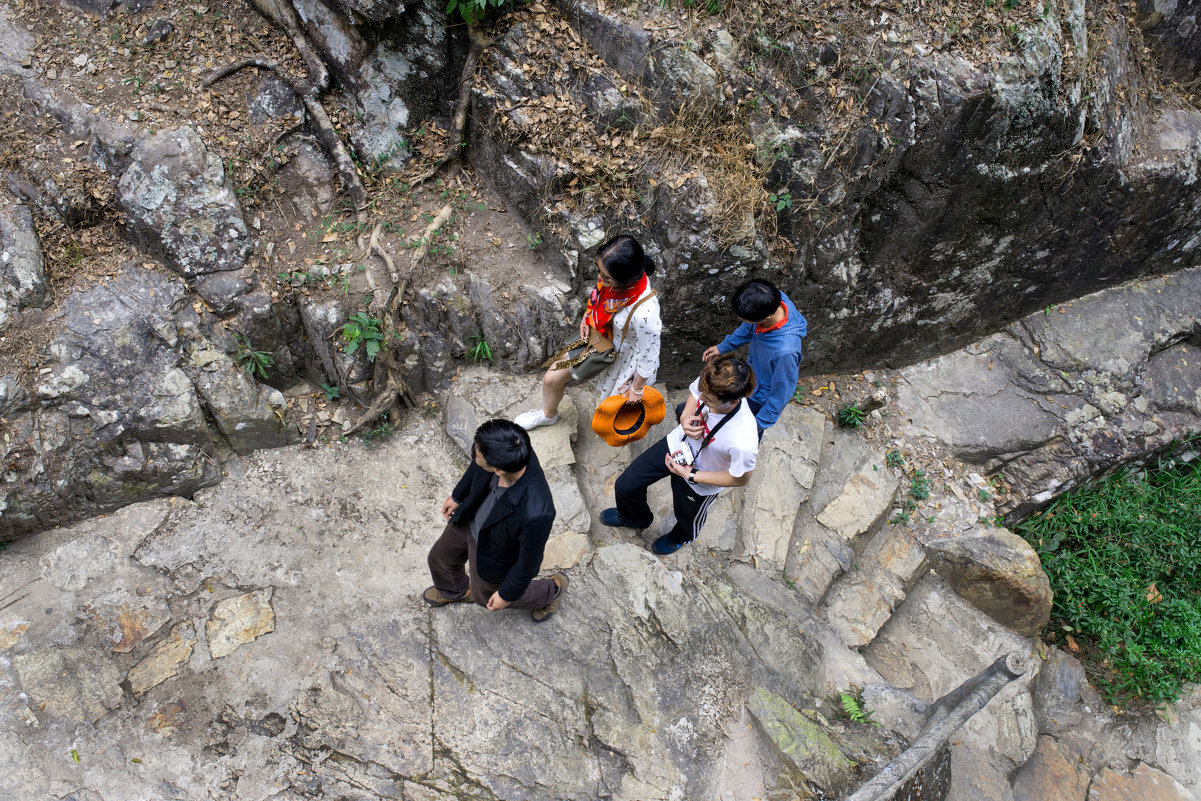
(456,548)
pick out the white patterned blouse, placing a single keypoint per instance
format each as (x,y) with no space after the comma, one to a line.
(639,353)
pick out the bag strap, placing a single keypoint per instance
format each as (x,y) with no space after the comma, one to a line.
(715,429)
(626,325)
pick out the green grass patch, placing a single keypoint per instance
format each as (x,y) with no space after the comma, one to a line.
(1124,558)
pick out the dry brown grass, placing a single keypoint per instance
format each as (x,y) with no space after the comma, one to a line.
(705,139)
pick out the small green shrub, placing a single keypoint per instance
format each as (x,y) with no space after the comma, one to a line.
(363,330)
(894,459)
(850,416)
(472,11)
(711,6)
(1124,559)
(251,360)
(905,514)
(919,486)
(331,393)
(379,433)
(481,351)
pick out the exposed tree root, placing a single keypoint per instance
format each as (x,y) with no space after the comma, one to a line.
(282,14)
(440,219)
(454,139)
(391,392)
(326,135)
(373,246)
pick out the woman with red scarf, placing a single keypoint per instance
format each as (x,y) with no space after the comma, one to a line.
(622,307)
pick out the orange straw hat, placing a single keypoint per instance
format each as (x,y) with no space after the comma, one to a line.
(619,423)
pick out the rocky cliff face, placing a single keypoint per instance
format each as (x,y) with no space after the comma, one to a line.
(913,183)
(926,188)
(1070,392)
(928,182)
(1171,30)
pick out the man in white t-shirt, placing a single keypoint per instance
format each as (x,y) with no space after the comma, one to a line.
(714,446)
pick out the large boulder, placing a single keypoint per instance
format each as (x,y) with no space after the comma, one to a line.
(453,315)
(1068,392)
(180,205)
(398,61)
(1052,774)
(998,573)
(806,752)
(112,419)
(251,416)
(1144,783)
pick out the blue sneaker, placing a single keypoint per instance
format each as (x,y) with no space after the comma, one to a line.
(665,547)
(612,517)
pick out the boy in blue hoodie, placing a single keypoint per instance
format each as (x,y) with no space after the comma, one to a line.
(775,329)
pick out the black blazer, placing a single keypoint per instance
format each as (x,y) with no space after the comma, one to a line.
(512,539)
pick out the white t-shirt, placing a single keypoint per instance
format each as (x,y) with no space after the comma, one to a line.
(733,450)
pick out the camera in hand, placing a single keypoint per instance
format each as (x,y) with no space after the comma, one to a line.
(678,449)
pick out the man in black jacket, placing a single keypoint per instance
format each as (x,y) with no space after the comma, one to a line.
(498,519)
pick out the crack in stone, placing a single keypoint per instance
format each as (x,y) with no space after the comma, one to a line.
(433,694)
(17,590)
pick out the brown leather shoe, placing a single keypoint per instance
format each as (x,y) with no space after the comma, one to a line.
(544,614)
(434,598)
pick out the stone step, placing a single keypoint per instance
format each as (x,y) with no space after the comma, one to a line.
(784,477)
(851,498)
(863,599)
(933,642)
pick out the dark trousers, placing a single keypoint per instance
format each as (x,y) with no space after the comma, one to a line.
(456,548)
(689,507)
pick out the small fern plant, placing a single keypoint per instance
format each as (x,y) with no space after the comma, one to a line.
(852,707)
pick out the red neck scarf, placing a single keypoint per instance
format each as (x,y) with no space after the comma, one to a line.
(759,329)
(605,301)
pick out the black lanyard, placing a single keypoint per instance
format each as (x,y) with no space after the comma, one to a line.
(709,437)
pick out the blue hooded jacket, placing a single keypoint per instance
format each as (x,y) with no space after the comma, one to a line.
(775,356)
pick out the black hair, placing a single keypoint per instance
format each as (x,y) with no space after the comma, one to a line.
(756,300)
(504,445)
(727,378)
(625,260)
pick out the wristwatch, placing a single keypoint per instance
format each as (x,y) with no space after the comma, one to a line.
(692,476)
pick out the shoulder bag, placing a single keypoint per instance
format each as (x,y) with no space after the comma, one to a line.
(592,356)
